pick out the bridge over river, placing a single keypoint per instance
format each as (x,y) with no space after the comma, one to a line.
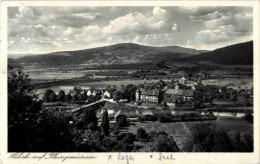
(89,105)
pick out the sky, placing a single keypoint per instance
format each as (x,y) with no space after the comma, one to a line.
(39,30)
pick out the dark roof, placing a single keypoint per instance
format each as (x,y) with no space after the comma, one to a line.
(198,86)
(180,92)
(150,92)
(169,99)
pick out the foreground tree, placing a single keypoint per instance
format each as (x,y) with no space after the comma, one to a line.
(23,106)
(89,116)
(163,143)
(206,137)
(105,123)
(31,129)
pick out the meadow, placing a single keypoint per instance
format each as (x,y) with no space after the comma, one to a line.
(180,131)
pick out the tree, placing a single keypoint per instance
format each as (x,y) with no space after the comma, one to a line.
(68,97)
(54,132)
(92,126)
(61,96)
(141,133)
(77,90)
(249,117)
(53,97)
(89,116)
(105,123)
(117,95)
(46,96)
(206,137)
(163,143)
(23,107)
(108,143)
(75,97)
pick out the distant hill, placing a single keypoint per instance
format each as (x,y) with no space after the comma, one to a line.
(132,54)
(237,54)
(125,53)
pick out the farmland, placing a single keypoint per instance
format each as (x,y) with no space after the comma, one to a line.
(181,130)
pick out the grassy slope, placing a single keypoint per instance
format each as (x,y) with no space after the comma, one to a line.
(238,54)
(115,54)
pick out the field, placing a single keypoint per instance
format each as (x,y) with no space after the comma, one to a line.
(180,131)
(243,83)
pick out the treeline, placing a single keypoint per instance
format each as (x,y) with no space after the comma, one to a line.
(167,118)
(207,137)
(77,95)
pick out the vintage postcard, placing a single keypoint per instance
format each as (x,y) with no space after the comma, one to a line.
(130,82)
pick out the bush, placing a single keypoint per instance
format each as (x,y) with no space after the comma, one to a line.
(164,118)
(141,133)
(122,122)
(123,147)
(249,117)
(92,126)
(164,144)
(206,137)
(129,138)
(108,143)
(149,118)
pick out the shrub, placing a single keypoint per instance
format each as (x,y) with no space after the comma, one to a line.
(92,126)
(249,117)
(141,133)
(122,122)
(129,138)
(164,144)
(165,118)
(108,143)
(206,137)
(123,147)
(149,118)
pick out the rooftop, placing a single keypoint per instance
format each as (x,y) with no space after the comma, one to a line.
(180,92)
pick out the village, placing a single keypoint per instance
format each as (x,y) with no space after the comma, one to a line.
(175,101)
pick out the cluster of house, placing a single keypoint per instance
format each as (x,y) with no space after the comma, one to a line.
(171,95)
(104,93)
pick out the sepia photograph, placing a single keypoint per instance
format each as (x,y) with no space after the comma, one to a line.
(130,79)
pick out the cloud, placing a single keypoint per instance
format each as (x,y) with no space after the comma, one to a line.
(137,23)
(45,29)
(158,40)
(159,12)
(68,31)
(175,27)
(223,23)
(25,12)
(212,36)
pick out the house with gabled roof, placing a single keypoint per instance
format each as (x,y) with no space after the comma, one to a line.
(179,93)
(148,95)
